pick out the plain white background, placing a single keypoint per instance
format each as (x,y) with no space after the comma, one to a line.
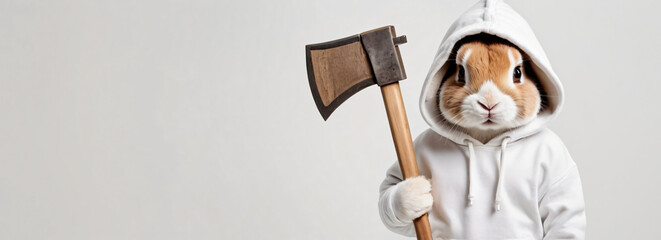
(194,119)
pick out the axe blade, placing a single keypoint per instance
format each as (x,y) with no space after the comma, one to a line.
(338,69)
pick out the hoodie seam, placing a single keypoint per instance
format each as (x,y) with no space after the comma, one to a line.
(560,179)
(491,147)
(490,12)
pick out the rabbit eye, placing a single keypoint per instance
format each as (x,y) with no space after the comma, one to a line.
(461,75)
(517,74)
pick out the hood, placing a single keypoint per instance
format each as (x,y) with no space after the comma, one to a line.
(496,18)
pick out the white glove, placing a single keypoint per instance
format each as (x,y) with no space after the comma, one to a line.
(412,198)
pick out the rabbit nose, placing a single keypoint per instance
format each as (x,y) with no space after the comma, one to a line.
(487,106)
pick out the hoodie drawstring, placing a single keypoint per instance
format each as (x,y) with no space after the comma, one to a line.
(471,173)
(501,172)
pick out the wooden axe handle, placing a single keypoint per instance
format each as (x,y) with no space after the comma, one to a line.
(401,135)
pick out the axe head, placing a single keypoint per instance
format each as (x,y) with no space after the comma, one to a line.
(340,68)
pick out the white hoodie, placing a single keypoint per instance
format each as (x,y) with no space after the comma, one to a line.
(523,184)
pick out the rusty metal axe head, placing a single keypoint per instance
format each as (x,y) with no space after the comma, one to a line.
(338,69)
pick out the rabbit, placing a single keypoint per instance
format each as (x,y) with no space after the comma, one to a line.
(491,167)
(489,89)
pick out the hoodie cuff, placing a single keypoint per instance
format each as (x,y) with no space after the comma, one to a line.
(394,220)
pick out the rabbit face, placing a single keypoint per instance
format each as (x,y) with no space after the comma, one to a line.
(490,89)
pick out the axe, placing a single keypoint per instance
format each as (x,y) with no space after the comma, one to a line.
(338,69)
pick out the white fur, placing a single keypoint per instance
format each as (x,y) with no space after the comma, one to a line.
(412,198)
(463,64)
(503,115)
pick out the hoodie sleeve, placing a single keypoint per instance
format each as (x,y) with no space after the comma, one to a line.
(561,204)
(387,190)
